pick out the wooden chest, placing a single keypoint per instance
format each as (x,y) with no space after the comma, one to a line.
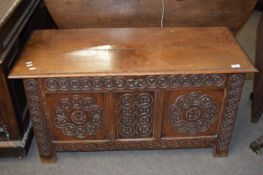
(126,89)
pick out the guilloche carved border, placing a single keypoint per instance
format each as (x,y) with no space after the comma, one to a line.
(158,144)
(130,83)
(38,118)
(234,90)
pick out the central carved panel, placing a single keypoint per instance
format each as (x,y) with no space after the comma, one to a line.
(192,113)
(135,115)
(78,116)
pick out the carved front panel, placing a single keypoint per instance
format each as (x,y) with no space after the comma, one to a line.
(135,115)
(193,112)
(139,115)
(76,116)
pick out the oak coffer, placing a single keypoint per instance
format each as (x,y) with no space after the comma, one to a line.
(126,89)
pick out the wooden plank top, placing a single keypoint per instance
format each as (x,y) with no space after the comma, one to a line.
(131,51)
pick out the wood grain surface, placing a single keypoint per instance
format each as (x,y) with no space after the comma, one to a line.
(147,13)
(130,51)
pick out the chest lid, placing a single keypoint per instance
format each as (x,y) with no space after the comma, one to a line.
(130,51)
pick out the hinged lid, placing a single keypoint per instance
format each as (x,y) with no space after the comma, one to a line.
(131,51)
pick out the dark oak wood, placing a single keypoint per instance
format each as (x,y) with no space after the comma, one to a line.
(259,5)
(257,97)
(7,109)
(127,89)
(148,13)
(257,101)
(15,28)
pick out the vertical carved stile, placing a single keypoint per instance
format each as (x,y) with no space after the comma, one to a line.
(39,121)
(234,90)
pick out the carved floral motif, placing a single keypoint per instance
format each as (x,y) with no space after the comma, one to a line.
(135,115)
(192,113)
(78,116)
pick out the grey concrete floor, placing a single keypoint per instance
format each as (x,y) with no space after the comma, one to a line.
(241,160)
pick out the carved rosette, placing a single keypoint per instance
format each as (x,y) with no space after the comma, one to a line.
(41,131)
(78,116)
(234,91)
(135,115)
(192,113)
(143,82)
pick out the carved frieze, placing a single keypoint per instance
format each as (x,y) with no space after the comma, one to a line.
(142,82)
(192,113)
(135,115)
(78,116)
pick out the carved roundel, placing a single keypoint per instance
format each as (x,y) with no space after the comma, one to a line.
(135,115)
(193,113)
(78,116)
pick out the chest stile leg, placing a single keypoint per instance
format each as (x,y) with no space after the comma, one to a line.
(39,120)
(233,95)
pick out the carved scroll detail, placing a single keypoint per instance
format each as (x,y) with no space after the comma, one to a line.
(142,82)
(192,113)
(234,91)
(39,122)
(135,115)
(78,116)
